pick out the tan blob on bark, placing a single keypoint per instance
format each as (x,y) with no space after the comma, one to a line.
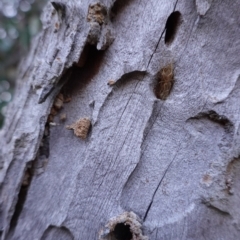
(58,103)
(81,127)
(97,13)
(111,82)
(63,117)
(165,82)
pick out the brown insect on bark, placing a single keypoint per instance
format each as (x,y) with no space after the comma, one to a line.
(81,127)
(165,80)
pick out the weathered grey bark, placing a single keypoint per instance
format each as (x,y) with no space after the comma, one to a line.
(169,168)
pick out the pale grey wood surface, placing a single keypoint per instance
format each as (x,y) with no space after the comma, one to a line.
(174,162)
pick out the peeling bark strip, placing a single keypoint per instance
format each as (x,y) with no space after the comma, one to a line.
(151,169)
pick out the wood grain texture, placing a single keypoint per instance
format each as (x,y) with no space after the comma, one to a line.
(174,163)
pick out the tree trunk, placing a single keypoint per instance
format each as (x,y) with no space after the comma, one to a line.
(125,124)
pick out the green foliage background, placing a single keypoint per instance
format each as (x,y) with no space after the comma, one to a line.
(19,22)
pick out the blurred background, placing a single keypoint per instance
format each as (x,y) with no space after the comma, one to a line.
(19,23)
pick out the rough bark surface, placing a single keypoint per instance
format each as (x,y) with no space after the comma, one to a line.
(166,164)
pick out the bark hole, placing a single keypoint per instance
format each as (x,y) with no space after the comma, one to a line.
(126,226)
(118,7)
(82,73)
(171,27)
(122,232)
(83,56)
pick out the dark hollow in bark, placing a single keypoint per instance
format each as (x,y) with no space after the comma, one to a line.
(172,25)
(122,232)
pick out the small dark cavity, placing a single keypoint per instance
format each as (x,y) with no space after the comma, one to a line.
(83,57)
(118,7)
(122,232)
(171,27)
(84,71)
